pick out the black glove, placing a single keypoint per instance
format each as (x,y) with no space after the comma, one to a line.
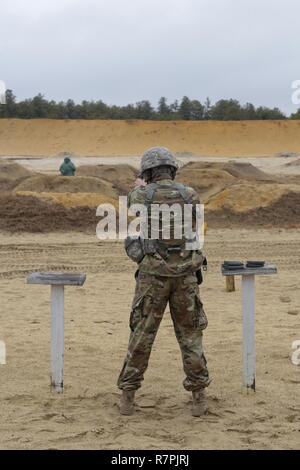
(199,276)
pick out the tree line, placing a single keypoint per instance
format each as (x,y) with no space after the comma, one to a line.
(187,109)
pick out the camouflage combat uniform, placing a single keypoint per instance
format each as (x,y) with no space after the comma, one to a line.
(166,277)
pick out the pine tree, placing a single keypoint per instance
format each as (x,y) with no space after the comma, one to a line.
(163,108)
(185,109)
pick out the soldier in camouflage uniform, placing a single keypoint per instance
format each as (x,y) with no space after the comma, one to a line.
(167,273)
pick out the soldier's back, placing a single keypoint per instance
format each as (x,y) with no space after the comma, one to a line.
(170,257)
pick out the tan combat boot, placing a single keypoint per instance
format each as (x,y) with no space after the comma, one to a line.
(200,407)
(127,402)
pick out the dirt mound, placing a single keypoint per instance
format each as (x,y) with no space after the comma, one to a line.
(248,196)
(293,163)
(210,178)
(64,184)
(99,137)
(68,200)
(205,181)
(243,170)
(286,154)
(122,176)
(30,214)
(284,212)
(11,174)
(240,170)
(233,193)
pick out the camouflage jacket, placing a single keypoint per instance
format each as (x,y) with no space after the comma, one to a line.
(170,263)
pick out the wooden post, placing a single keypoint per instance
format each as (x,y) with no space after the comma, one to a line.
(57,281)
(230,284)
(57,338)
(248,310)
(248,313)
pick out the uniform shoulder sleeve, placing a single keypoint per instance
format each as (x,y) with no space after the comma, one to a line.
(136,196)
(193,194)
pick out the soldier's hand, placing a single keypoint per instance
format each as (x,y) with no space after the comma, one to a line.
(140,182)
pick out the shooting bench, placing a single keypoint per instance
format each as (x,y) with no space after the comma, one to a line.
(248,313)
(57,281)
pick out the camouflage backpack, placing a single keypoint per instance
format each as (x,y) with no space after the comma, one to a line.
(166,238)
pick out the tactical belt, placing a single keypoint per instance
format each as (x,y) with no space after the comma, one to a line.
(165,251)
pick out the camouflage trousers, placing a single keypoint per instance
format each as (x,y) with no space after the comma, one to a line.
(152,295)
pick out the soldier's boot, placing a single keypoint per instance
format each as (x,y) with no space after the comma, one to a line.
(200,406)
(127,402)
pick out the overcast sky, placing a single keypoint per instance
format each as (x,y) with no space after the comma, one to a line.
(123,51)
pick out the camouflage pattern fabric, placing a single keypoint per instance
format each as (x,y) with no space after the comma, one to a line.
(175,263)
(152,295)
(155,157)
(166,274)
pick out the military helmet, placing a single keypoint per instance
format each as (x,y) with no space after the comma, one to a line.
(155,157)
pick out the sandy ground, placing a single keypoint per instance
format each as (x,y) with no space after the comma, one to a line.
(86,416)
(98,137)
